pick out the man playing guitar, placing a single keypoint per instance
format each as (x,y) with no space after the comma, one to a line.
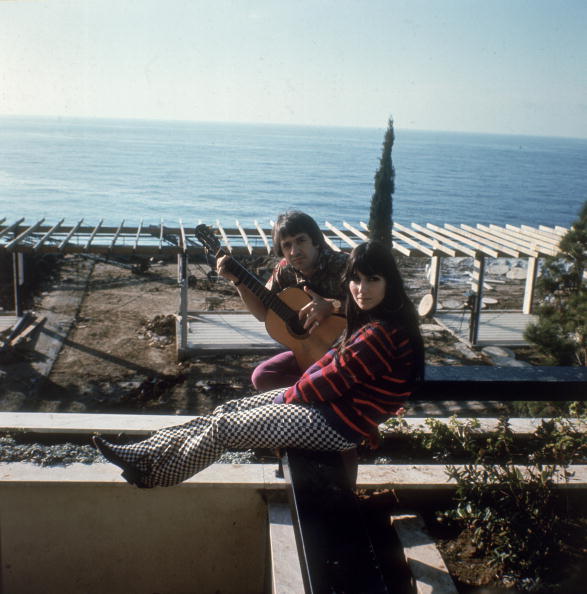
(306,262)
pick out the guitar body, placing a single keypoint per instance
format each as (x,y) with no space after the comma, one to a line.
(307,348)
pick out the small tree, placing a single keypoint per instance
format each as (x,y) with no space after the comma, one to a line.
(380,216)
(561,329)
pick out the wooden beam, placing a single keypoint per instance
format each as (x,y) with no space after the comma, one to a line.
(47,235)
(530,285)
(182,238)
(71,233)
(161,234)
(351,242)
(263,237)
(96,229)
(356,231)
(224,235)
(138,235)
(116,235)
(330,243)
(245,238)
(434,277)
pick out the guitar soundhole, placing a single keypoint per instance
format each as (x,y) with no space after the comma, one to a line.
(296,327)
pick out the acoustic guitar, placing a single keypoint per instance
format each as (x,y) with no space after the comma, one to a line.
(282,321)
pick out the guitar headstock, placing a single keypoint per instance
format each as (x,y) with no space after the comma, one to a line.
(205,235)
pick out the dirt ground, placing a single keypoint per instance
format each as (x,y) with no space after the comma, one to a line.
(119,351)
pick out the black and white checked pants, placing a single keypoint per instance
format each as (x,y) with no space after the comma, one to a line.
(173,454)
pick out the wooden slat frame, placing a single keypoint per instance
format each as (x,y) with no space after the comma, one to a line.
(451,241)
(24,235)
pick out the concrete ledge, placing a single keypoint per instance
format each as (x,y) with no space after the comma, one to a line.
(77,423)
(434,477)
(232,476)
(253,476)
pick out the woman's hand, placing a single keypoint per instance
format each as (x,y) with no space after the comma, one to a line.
(315,312)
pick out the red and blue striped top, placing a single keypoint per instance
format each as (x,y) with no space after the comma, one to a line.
(368,382)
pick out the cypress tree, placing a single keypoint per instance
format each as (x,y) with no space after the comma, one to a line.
(380,215)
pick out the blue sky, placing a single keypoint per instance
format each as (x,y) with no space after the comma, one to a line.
(505,66)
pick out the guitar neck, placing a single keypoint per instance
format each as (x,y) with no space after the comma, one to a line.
(269,299)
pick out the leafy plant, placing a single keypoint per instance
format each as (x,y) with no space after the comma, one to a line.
(512,512)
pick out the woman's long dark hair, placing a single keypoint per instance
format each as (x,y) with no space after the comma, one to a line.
(372,258)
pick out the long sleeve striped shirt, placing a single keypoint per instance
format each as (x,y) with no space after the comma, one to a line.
(364,385)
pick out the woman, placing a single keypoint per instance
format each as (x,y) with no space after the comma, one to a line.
(337,403)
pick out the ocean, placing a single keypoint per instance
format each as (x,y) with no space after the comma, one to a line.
(154,171)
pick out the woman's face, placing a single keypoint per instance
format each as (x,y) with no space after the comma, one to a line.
(367,291)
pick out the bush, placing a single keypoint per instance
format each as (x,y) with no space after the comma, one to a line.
(561,330)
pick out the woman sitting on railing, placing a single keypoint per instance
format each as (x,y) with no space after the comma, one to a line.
(337,403)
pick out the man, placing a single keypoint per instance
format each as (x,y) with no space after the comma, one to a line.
(306,261)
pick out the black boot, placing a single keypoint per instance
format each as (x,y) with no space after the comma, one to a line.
(130,473)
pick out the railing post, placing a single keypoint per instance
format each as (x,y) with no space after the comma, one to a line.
(530,285)
(182,264)
(18,280)
(477,297)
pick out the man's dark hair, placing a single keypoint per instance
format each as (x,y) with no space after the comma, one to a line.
(294,222)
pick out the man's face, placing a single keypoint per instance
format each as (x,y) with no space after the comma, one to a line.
(300,252)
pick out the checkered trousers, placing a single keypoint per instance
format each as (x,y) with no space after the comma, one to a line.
(172,455)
